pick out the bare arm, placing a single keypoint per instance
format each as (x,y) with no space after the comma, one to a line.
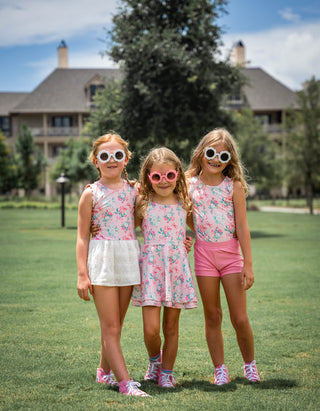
(137,217)
(243,234)
(83,238)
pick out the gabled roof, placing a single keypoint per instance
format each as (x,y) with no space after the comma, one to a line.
(63,91)
(9,100)
(264,93)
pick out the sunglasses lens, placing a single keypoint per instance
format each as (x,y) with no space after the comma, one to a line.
(171,176)
(225,157)
(156,177)
(119,155)
(210,153)
(103,156)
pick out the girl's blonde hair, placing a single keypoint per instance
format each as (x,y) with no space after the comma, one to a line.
(165,156)
(234,169)
(106,138)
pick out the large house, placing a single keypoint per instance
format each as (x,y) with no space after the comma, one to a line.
(59,107)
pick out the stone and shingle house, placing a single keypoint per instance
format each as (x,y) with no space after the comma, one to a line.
(59,107)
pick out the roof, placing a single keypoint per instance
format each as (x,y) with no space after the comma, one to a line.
(263,92)
(9,100)
(63,91)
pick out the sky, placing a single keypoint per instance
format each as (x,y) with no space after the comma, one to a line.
(280,36)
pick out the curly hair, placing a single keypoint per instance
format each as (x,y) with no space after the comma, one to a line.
(111,136)
(234,169)
(162,155)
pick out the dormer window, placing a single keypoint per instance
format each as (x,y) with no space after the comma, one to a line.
(94,88)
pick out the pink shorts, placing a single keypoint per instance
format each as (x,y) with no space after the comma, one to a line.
(216,259)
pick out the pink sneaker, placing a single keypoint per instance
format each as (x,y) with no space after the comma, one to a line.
(153,370)
(103,378)
(166,380)
(221,375)
(251,372)
(132,388)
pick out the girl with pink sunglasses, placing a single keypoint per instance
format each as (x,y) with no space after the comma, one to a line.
(166,278)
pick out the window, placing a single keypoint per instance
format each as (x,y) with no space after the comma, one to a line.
(94,88)
(61,121)
(5,126)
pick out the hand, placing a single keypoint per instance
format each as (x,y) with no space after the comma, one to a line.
(95,229)
(247,277)
(188,243)
(84,284)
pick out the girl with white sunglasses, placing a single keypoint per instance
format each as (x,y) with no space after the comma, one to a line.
(217,188)
(108,264)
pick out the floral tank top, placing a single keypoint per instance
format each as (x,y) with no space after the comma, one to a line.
(213,211)
(113,211)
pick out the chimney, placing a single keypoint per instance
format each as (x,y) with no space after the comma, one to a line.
(238,57)
(62,55)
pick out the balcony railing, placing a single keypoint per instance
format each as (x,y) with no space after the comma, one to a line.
(55,131)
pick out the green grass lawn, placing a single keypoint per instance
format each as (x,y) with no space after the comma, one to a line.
(50,339)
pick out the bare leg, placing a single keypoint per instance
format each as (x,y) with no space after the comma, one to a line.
(170,326)
(107,301)
(151,329)
(237,302)
(210,294)
(124,301)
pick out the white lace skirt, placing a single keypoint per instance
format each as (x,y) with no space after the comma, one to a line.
(114,263)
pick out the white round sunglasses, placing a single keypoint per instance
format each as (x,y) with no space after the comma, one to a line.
(104,156)
(210,153)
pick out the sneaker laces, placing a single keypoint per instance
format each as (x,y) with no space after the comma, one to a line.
(132,388)
(251,372)
(153,371)
(109,379)
(167,380)
(221,375)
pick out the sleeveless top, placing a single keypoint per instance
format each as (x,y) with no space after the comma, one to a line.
(213,211)
(113,211)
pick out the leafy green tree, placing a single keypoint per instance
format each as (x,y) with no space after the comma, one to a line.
(105,115)
(74,162)
(258,152)
(303,141)
(8,168)
(30,160)
(174,81)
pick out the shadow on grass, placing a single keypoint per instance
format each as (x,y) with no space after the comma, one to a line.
(262,234)
(207,387)
(273,384)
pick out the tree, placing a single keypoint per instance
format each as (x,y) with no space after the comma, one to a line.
(8,168)
(30,160)
(105,115)
(74,162)
(258,152)
(303,145)
(173,80)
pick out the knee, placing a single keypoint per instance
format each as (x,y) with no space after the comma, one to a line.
(240,322)
(151,331)
(170,329)
(111,329)
(213,318)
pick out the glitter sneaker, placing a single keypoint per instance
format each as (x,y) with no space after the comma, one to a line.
(166,380)
(103,378)
(132,388)
(251,372)
(221,375)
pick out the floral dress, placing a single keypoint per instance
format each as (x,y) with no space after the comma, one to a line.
(166,277)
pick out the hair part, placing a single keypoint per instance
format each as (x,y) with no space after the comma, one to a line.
(111,136)
(234,169)
(162,155)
